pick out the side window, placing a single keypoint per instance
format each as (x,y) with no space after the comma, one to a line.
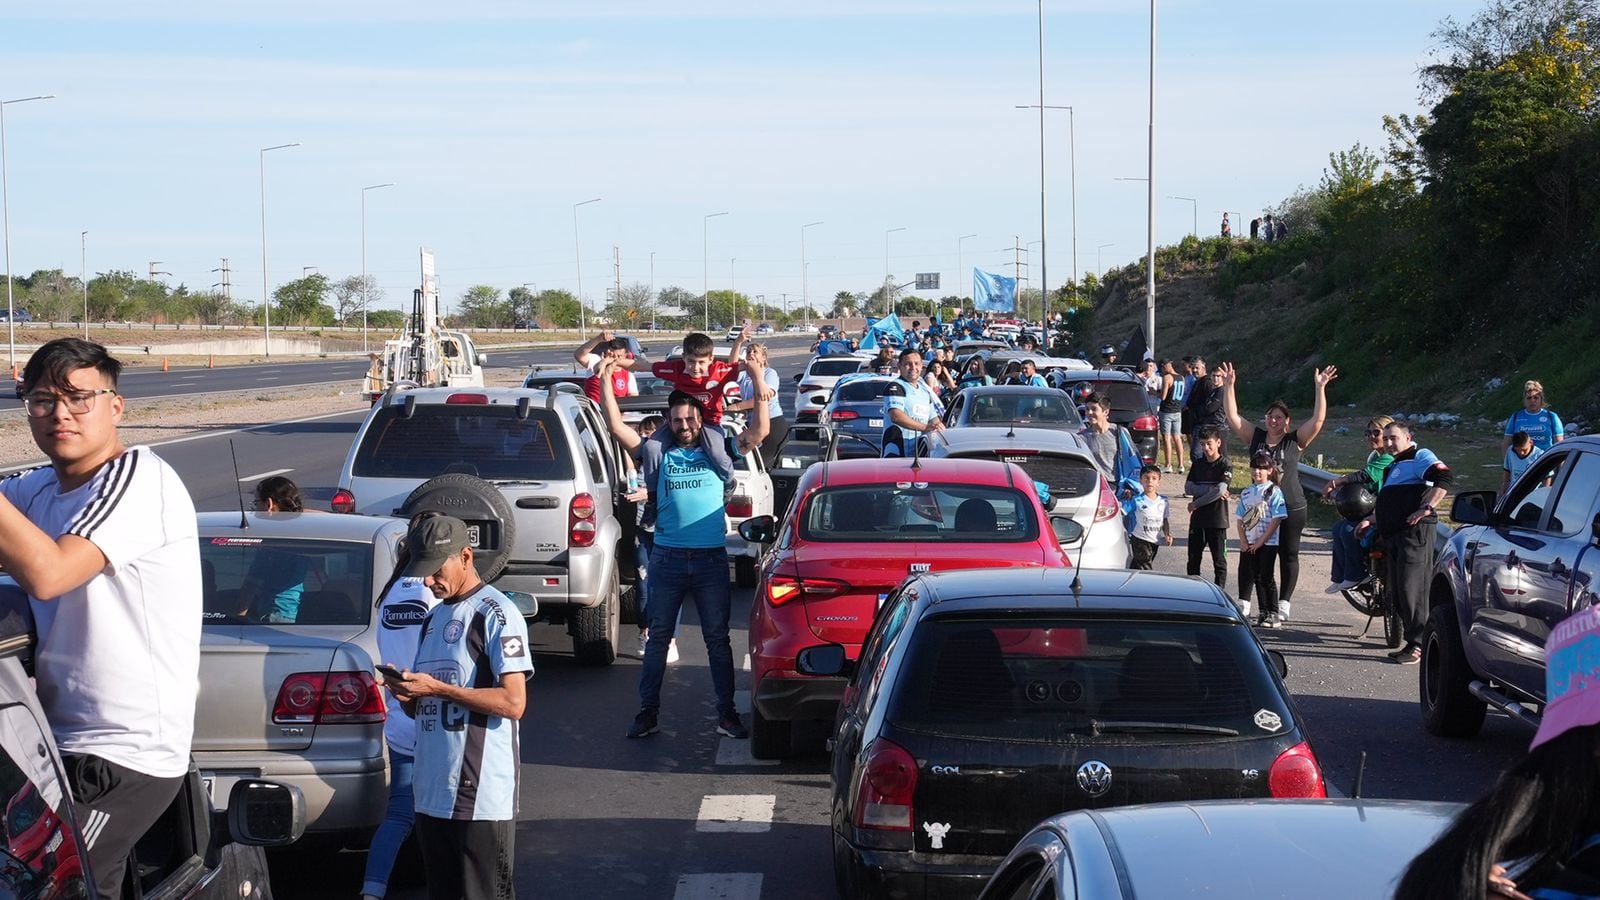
(875,653)
(1531,495)
(40,845)
(591,447)
(1574,506)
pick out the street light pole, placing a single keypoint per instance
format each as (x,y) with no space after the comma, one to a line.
(83,277)
(577,254)
(653,290)
(5,211)
(805,272)
(1072,159)
(266,298)
(733,292)
(887,300)
(1150,204)
(365,300)
(705,276)
(960,268)
(1194,209)
(1098,271)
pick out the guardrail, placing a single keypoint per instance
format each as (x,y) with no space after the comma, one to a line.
(1314,480)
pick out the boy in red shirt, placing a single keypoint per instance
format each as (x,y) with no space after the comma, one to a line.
(700,375)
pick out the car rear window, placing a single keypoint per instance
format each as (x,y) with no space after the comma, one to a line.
(487,441)
(1124,395)
(1066,476)
(1065,679)
(833,367)
(862,391)
(952,513)
(278,581)
(1051,410)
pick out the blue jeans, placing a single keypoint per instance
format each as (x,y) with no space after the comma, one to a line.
(1349,557)
(394,829)
(675,574)
(643,546)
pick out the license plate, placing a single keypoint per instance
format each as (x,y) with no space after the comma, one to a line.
(473,537)
(1019,460)
(874,423)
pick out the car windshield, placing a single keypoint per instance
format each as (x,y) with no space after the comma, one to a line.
(828,368)
(489,442)
(947,513)
(1045,410)
(1043,678)
(283,581)
(863,391)
(25,809)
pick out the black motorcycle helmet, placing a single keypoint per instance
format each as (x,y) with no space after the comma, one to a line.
(1354,501)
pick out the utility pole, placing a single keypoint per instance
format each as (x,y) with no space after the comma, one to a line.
(154,272)
(653,303)
(616,268)
(227,279)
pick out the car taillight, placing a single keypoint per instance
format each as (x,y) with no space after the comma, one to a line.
(1145,423)
(740,507)
(343,501)
(1295,773)
(468,399)
(328,698)
(843,415)
(810,387)
(580,521)
(782,588)
(883,799)
(1107,508)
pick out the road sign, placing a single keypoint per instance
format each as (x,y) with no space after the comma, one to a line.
(927,281)
(633,314)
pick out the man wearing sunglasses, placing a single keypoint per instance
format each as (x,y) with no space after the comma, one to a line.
(104,541)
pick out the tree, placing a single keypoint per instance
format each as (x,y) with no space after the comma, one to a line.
(560,308)
(844,304)
(632,307)
(303,301)
(481,306)
(524,305)
(353,294)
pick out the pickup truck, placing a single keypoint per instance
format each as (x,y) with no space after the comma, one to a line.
(1514,569)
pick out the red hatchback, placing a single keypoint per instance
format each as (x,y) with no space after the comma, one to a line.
(856,529)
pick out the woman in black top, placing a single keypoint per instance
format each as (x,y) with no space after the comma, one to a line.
(1285,445)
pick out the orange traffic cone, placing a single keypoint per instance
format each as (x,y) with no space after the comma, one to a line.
(163,364)
(211,361)
(13,371)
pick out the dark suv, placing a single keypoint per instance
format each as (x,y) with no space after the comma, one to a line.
(1513,570)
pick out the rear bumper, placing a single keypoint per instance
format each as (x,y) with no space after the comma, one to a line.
(341,795)
(916,876)
(799,698)
(577,583)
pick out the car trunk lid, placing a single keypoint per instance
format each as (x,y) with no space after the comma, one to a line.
(242,670)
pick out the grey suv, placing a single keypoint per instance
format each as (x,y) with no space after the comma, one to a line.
(536,476)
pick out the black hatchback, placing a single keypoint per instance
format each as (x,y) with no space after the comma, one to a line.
(984,701)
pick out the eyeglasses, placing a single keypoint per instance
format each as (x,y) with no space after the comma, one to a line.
(78,402)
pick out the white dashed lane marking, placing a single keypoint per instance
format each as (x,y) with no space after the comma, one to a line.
(736,813)
(746,664)
(719,886)
(260,475)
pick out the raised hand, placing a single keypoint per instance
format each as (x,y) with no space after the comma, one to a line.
(1322,376)
(1229,376)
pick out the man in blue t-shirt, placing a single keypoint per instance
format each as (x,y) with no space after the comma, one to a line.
(909,408)
(687,468)
(467,692)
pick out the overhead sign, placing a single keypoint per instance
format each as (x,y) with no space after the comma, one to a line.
(927,281)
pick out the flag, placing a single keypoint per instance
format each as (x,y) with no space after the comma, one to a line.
(888,326)
(993,293)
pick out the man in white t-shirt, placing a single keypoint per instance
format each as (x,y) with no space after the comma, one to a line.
(105,543)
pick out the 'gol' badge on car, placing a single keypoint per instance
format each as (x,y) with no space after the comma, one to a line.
(936,832)
(1267,720)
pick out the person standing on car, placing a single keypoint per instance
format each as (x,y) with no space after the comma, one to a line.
(607,346)
(910,410)
(1406,517)
(689,476)
(1285,445)
(467,690)
(104,541)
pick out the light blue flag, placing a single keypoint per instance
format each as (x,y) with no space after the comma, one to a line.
(993,293)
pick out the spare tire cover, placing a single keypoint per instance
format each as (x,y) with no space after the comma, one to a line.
(479,504)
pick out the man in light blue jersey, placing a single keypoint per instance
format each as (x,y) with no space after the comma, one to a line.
(909,409)
(467,693)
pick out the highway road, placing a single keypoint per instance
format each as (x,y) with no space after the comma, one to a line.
(603,816)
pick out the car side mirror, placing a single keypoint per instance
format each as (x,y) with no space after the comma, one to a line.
(483,359)
(1280,664)
(1067,530)
(265,813)
(759,530)
(796,377)
(1594,529)
(1472,507)
(823,660)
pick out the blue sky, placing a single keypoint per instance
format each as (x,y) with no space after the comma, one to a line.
(494,117)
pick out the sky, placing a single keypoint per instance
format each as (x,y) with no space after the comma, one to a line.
(494,117)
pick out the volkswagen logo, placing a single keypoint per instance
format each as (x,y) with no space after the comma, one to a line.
(1094,777)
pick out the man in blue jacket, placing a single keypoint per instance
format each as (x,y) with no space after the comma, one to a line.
(1406,518)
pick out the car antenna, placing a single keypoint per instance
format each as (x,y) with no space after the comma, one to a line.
(1361,772)
(1077,568)
(244,522)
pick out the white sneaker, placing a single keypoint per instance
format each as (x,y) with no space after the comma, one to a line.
(1244,608)
(1283,612)
(644,641)
(672,651)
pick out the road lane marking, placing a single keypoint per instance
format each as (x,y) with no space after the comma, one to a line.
(731,752)
(269,378)
(719,886)
(264,475)
(746,664)
(736,813)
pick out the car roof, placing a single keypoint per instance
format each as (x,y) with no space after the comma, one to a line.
(1095,590)
(498,396)
(845,472)
(306,525)
(1011,390)
(1075,375)
(990,437)
(862,376)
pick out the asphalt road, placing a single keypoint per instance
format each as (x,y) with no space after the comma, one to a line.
(603,816)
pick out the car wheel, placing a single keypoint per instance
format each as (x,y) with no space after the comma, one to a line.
(768,739)
(596,632)
(479,504)
(1448,707)
(744,571)
(629,601)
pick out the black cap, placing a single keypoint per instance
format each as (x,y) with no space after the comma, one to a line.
(432,541)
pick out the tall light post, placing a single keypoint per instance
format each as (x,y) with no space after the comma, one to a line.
(5,210)
(83,277)
(733,292)
(1194,209)
(1072,162)
(266,298)
(705,276)
(1027,250)
(535,286)
(365,300)
(960,268)
(805,272)
(887,289)
(1098,271)
(653,303)
(1150,204)
(577,254)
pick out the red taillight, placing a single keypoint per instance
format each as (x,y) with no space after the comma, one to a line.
(1145,423)
(1107,508)
(740,507)
(1295,773)
(843,415)
(580,521)
(328,698)
(343,501)
(468,399)
(810,387)
(782,588)
(883,799)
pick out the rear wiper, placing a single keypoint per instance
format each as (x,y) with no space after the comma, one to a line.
(1129,727)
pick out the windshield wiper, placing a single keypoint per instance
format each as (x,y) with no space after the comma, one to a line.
(1130,727)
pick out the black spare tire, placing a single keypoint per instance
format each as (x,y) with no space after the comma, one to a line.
(479,504)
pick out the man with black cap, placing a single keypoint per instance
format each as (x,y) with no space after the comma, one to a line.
(467,692)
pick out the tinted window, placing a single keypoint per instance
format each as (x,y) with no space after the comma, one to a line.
(1531,494)
(1066,476)
(1051,410)
(861,391)
(1572,512)
(1124,396)
(832,367)
(486,441)
(268,581)
(946,512)
(1059,679)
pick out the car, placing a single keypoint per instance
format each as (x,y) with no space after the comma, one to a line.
(1062,462)
(536,476)
(1129,408)
(797,328)
(1222,848)
(651,399)
(984,701)
(190,851)
(1514,569)
(855,412)
(17,315)
(855,530)
(1014,405)
(828,332)
(734,333)
(816,382)
(525,325)
(289,695)
(764,328)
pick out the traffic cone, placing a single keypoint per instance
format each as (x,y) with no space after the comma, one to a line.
(13,371)
(211,361)
(163,364)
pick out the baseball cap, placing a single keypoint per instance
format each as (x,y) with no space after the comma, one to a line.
(1571,676)
(432,541)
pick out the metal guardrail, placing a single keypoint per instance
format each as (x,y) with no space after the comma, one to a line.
(1313,480)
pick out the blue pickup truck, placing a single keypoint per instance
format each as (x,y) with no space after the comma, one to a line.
(1516,567)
